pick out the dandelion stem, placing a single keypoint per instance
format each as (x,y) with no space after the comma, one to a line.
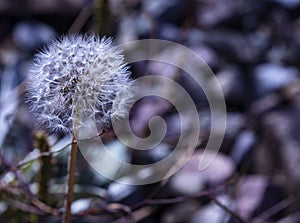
(71,179)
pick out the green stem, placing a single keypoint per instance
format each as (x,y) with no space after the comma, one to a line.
(45,171)
(46,167)
(71,180)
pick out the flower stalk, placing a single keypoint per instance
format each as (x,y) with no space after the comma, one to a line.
(70,181)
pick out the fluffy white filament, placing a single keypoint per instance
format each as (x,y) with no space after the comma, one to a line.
(86,73)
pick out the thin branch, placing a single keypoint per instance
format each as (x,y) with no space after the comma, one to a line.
(130,212)
(179,199)
(265,215)
(25,207)
(89,138)
(71,180)
(156,190)
(117,211)
(26,190)
(225,208)
(50,153)
(18,176)
(43,154)
(44,207)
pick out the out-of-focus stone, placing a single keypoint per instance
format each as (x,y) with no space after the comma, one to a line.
(31,34)
(271,76)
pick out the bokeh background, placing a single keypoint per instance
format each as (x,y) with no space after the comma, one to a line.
(253,47)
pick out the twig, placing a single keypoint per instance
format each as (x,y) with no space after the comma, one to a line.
(43,154)
(117,211)
(50,153)
(158,188)
(265,215)
(25,207)
(28,193)
(44,207)
(225,208)
(143,213)
(91,137)
(17,174)
(177,200)
(71,180)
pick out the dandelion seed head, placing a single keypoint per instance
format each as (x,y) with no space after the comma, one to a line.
(86,73)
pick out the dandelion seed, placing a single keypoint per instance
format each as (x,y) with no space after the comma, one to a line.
(88,74)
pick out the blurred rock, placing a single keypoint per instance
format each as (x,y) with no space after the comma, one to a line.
(187,182)
(235,122)
(164,11)
(279,141)
(144,26)
(147,109)
(102,158)
(232,85)
(207,54)
(9,95)
(205,123)
(170,32)
(220,169)
(243,144)
(213,12)
(156,8)
(190,179)
(194,90)
(117,192)
(28,35)
(250,192)
(277,53)
(81,205)
(128,29)
(195,37)
(183,122)
(236,46)
(260,39)
(181,212)
(293,48)
(3,207)
(212,213)
(271,76)
(159,152)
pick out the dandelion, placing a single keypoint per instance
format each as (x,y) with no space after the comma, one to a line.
(72,81)
(88,74)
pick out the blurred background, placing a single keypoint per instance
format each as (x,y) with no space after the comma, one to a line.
(252,46)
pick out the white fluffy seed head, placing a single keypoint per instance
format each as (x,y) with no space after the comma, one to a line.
(86,73)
